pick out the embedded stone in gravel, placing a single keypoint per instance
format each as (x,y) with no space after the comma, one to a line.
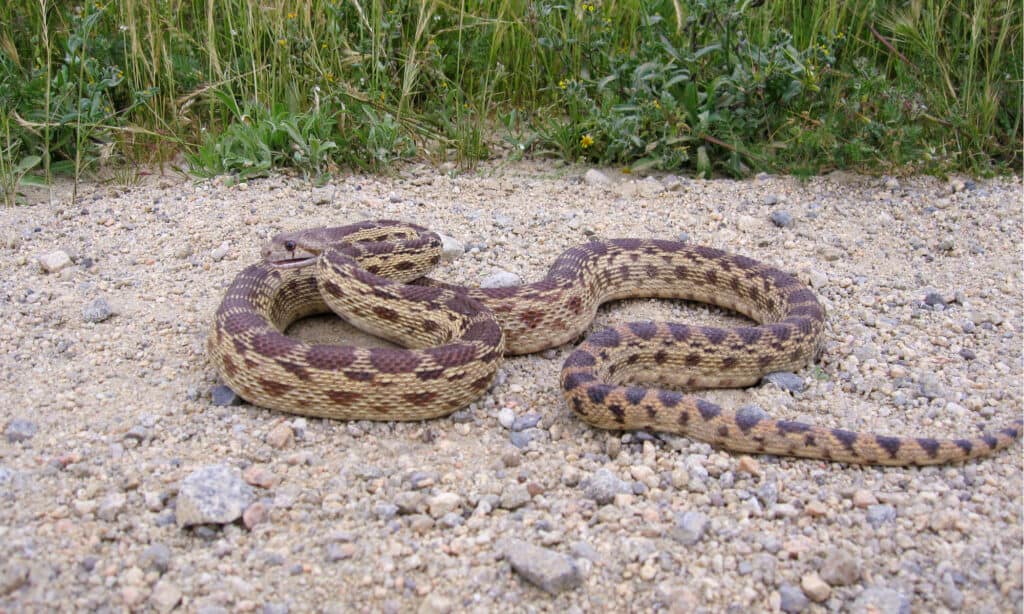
(689,527)
(54,261)
(435,604)
(111,505)
(782,219)
(514,496)
(814,587)
(840,569)
(793,599)
(165,596)
(506,417)
(604,485)
(451,248)
(215,494)
(880,514)
(878,600)
(280,436)
(97,311)
(934,298)
(157,556)
(790,382)
(255,514)
(501,279)
(546,569)
(527,421)
(20,429)
(443,503)
(13,577)
(772,199)
(595,177)
(218,253)
(223,396)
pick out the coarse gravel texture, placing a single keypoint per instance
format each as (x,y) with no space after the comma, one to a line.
(106,409)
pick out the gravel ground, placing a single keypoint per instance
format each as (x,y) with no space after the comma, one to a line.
(124,471)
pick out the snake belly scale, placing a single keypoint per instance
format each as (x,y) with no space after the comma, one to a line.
(454,338)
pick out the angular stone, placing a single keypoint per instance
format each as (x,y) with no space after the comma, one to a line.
(879,600)
(97,311)
(603,486)
(213,494)
(546,569)
(840,569)
(20,429)
(689,527)
(54,261)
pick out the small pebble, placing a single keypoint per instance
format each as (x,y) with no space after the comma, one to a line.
(214,494)
(840,568)
(96,311)
(793,599)
(501,279)
(689,527)
(878,600)
(814,587)
(54,261)
(20,429)
(224,396)
(782,219)
(546,569)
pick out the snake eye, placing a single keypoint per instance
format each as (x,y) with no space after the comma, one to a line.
(289,245)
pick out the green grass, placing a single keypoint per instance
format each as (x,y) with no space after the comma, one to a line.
(704,86)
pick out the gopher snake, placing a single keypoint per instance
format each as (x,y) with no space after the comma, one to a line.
(457,337)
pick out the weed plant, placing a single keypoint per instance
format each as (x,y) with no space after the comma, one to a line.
(701,86)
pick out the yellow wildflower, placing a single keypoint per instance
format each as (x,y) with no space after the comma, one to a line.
(586,141)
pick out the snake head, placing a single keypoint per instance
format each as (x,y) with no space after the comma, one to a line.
(292,250)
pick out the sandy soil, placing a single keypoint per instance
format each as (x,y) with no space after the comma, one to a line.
(104,418)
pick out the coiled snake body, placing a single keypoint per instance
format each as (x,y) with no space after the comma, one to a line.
(456,337)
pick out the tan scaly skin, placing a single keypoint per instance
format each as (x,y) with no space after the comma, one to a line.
(457,336)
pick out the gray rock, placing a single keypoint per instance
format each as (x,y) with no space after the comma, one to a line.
(603,486)
(951,596)
(689,527)
(157,556)
(793,599)
(20,429)
(880,514)
(772,199)
(934,298)
(546,569)
(183,252)
(595,177)
(111,505)
(878,600)
(684,237)
(790,382)
(840,569)
(275,607)
(97,311)
(782,219)
(224,396)
(514,496)
(502,220)
(213,494)
(165,596)
(54,261)
(451,249)
(527,421)
(501,279)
